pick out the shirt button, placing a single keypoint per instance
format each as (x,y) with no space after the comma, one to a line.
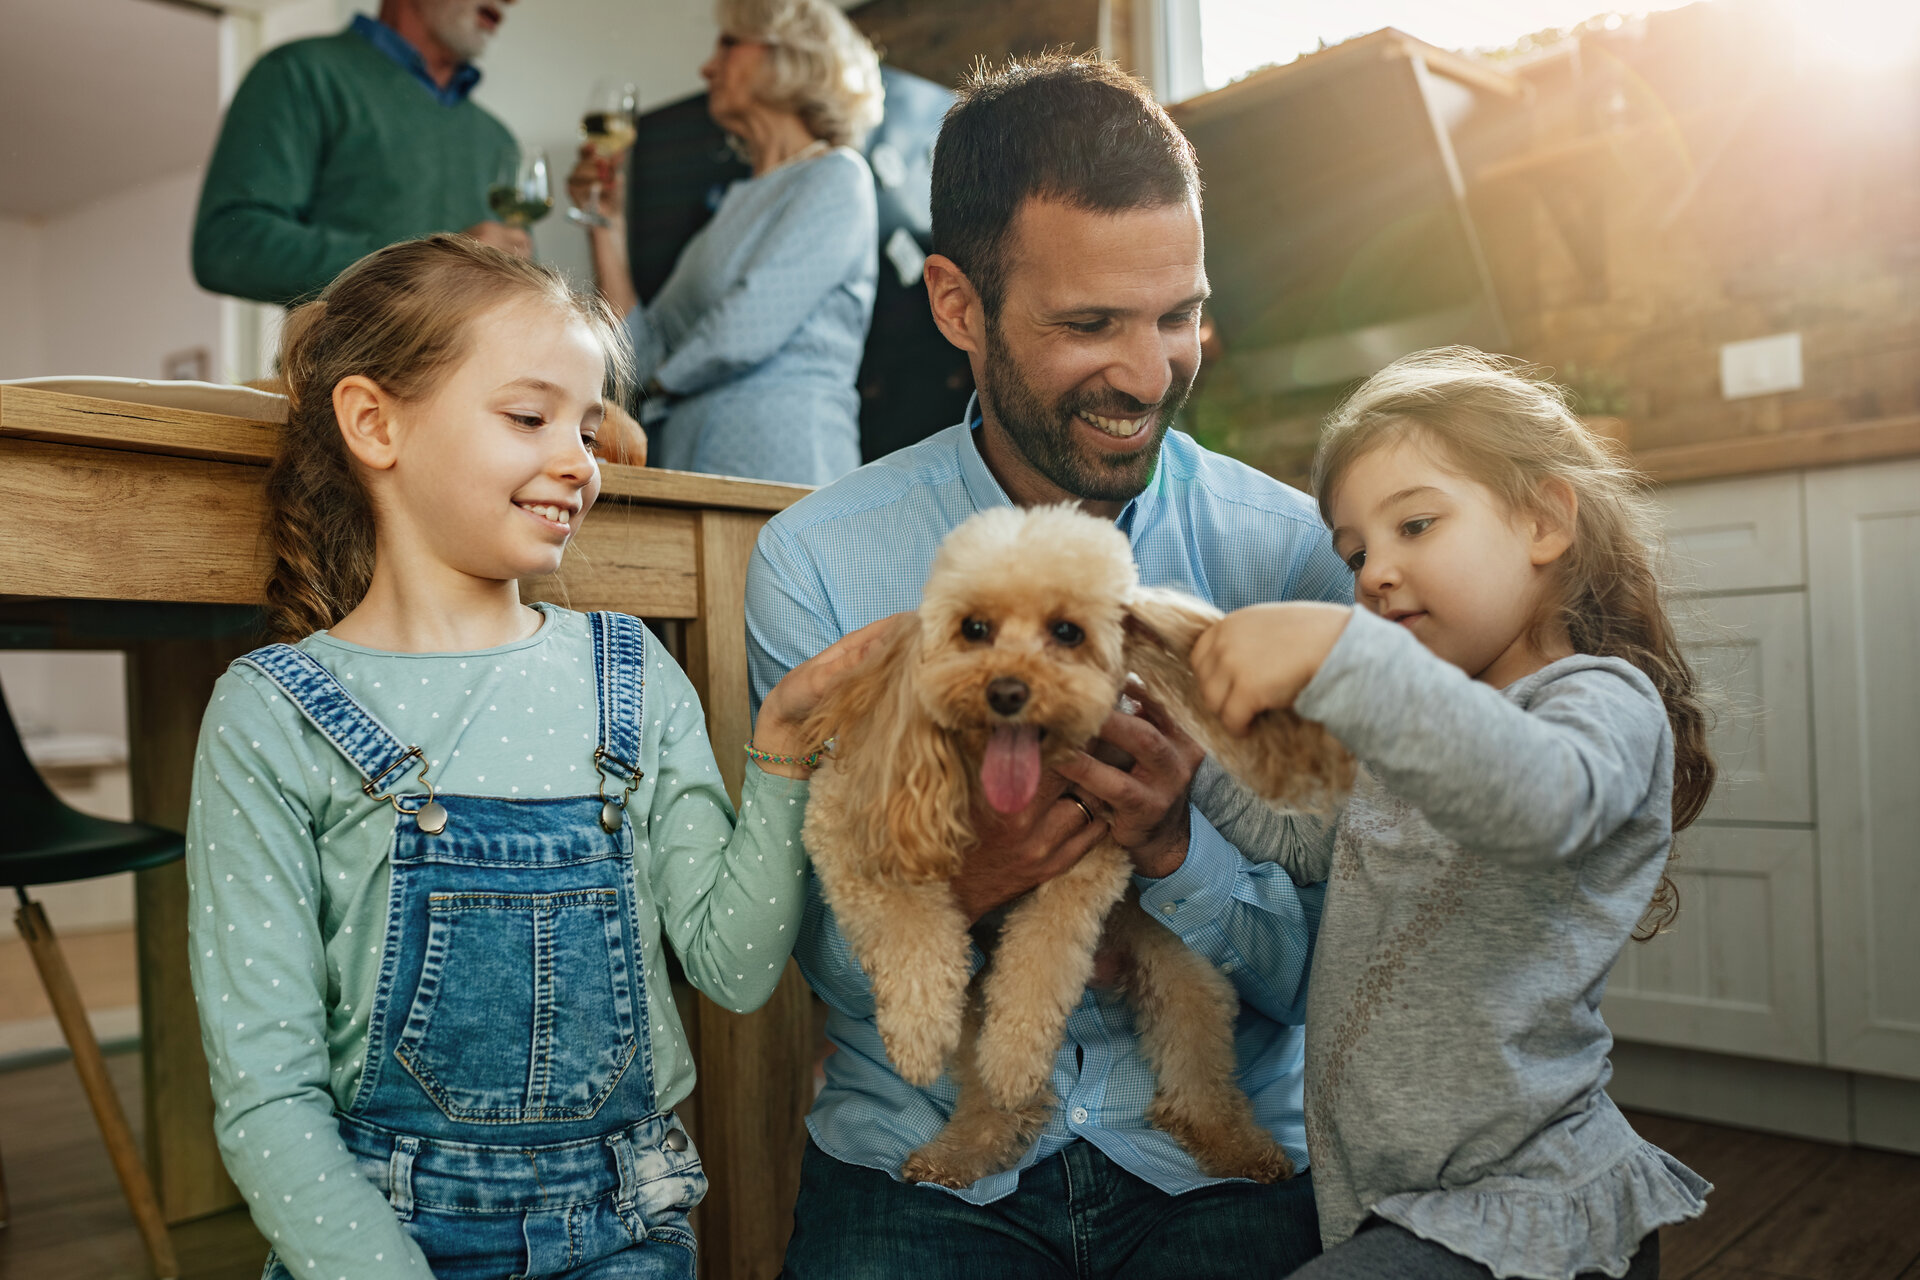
(1227,967)
(1079,1115)
(1167,908)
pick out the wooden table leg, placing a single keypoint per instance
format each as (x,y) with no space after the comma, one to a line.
(98,1085)
(756,1071)
(169,682)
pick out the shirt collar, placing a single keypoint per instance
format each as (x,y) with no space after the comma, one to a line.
(986,492)
(394,45)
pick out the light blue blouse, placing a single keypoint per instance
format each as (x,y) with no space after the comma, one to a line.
(759,331)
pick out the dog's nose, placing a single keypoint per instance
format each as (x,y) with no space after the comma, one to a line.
(1007,695)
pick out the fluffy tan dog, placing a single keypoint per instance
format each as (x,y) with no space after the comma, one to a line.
(1028,628)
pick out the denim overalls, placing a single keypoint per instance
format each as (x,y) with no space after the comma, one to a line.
(507,1107)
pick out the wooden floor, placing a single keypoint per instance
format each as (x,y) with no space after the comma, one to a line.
(1782,1208)
(103,964)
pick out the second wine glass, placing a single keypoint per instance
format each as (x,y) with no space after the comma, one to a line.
(608,127)
(521,195)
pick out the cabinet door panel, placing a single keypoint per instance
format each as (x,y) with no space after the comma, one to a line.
(1751,655)
(1863,546)
(1736,535)
(1738,972)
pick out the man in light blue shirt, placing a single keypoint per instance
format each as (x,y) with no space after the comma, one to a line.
(1070,269)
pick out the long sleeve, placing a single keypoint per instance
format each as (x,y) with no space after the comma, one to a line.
(1247,917)
(817,239)
(252,237)
(1299,842)
(1539,783)
(261,978)
(731,891)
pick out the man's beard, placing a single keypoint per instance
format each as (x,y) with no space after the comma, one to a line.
(1044,433)
(456,24)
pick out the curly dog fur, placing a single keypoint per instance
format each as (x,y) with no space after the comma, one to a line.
(888,826)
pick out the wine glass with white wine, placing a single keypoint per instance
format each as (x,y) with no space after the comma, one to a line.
(608,127)
(521,195)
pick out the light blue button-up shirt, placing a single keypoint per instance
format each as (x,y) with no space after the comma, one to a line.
(859,550)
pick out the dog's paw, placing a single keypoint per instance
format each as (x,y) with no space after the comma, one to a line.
(1224,1148)
(941,1169)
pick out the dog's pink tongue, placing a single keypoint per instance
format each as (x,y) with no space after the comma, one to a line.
(1010,773)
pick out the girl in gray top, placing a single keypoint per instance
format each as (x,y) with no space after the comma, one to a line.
(1530,738)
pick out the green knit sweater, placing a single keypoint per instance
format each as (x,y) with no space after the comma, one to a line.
(331,150)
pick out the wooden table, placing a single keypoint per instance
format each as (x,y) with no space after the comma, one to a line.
(125,526)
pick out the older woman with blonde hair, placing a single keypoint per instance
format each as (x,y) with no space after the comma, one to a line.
(748,352)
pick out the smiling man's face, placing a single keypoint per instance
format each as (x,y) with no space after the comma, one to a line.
(464,26)
(1096,342)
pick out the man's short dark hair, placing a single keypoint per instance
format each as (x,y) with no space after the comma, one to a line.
(1058,126)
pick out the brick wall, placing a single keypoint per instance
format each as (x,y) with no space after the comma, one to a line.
(1695,179)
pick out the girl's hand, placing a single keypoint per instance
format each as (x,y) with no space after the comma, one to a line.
(784,714)
(1260,658)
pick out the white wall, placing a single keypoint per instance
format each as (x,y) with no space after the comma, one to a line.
(544,62)
(116,290)
(22,348)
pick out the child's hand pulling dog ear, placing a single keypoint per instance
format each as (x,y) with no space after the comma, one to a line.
(1259,658)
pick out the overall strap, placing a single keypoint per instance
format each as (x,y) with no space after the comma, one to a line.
(366,743)
(620,678)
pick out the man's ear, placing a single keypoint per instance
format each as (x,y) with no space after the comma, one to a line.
(1553,521)
(956,305)
(364,411)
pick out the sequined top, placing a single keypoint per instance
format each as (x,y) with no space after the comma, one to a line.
(1498,850)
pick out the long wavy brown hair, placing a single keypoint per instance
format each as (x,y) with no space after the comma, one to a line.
(1509,428)
(399,316)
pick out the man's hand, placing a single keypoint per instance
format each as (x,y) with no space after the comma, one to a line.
(1259,658)
(513,240)
(1021,851)
(1144,790)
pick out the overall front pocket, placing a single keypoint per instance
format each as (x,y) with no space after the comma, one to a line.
(525,1008)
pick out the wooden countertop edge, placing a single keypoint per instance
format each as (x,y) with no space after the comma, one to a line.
(1789,451)
(60,418)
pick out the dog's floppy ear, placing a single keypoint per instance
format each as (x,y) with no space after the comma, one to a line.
(906,780)
(1285,759)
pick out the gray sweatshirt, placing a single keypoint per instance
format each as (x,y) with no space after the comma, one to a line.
(1497,852)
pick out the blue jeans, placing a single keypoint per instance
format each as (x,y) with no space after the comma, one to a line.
(1076,1216)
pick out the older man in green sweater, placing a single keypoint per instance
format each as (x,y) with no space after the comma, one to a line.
(339,145)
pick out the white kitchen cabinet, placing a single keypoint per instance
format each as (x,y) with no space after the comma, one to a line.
(1787,995)
(1750,652)
(1736,535)
(1863,557)
(1739,970)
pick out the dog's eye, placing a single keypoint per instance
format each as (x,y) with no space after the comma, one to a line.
(975,629)
(1068,633)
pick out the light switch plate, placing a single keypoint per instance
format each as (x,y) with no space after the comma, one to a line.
(1760,366)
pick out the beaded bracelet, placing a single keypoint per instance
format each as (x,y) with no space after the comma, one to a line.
(812,761)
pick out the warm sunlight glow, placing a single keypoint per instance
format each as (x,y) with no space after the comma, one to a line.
(1865,34)
(1238,36)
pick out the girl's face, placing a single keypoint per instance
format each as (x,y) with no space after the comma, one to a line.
(491,471)
(1440,554)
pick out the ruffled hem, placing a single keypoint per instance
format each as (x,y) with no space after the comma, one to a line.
(1527,1232)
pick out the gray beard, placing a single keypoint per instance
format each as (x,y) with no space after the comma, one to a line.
(1044,433)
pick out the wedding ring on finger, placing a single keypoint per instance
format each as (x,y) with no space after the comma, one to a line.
(1082,805)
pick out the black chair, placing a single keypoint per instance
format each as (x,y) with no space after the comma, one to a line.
(43,841)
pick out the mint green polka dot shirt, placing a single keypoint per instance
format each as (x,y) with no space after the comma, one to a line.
(287,865)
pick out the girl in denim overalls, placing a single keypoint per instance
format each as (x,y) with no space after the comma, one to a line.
(435,843)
